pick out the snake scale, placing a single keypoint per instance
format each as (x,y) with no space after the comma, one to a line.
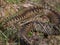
(30,13)
(26,22)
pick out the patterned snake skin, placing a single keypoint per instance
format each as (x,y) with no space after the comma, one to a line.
(30,18)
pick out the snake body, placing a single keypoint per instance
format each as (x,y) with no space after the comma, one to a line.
(29,14)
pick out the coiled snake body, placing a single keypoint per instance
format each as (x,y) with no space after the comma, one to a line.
(32,17)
